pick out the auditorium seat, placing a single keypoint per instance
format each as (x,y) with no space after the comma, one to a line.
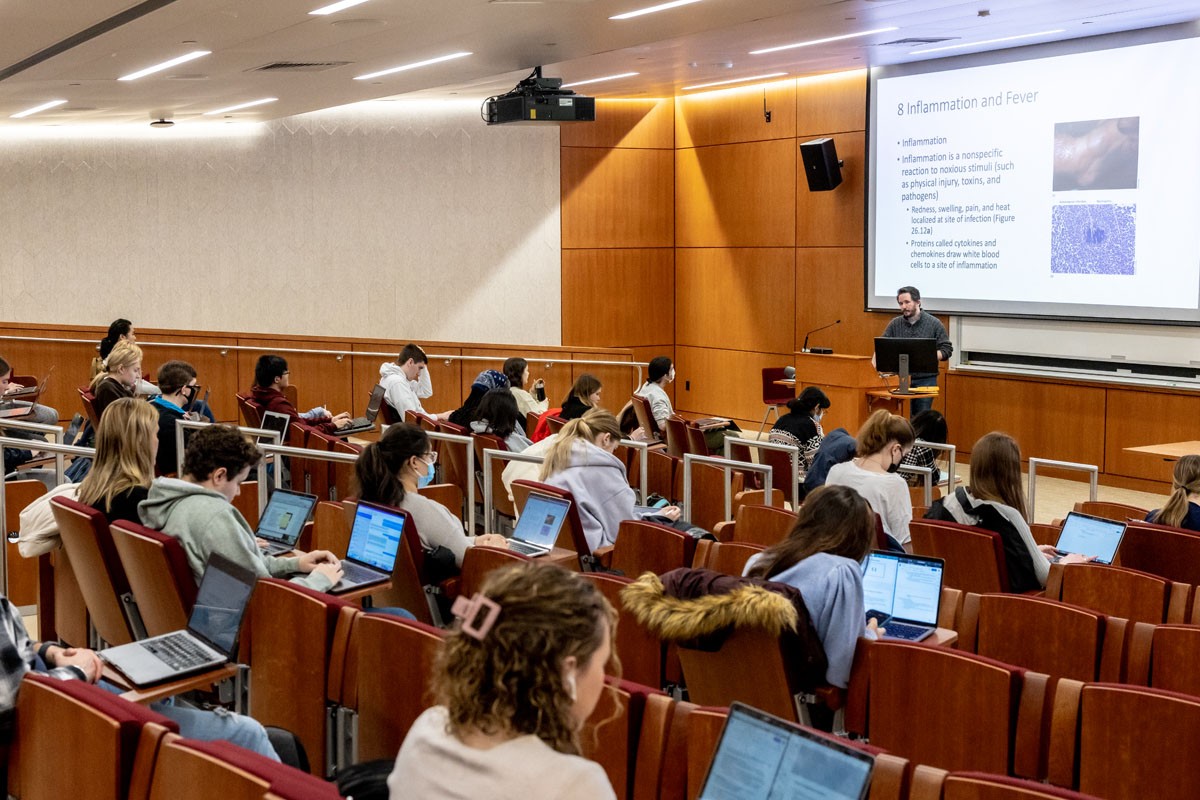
(186,769)
(1114,511)
(1165,657)
(759,524)
(974,556)
(931,783)
(677,441)
(727,557)
(570,536)
(411,588)
(452,457)
(708,493)
(501,505)
(1172,553)
(645,419)
(479,561)
(774,395)
(1120,592)
(610,735)
(642,652)
(644,546)
(331,528)
(247,502)
(22,572)
(250,410)
(159,576)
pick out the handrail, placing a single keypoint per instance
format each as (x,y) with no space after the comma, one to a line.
(181,423)
(643,449)
(1092,470)
(470,443)
(729,466)
(950,468)
(55,431)
(489,501)
(791,450)
(927,482)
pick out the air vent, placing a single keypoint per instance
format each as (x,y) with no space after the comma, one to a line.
(916,40)
(299,66)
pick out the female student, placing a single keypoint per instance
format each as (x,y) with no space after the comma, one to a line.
(271,377)
(514,682)
(584,395)
(882,443)
(929,426)
(498,415)
(120,377)
(517,372)
(801,426)
(123,466)
(1183,506)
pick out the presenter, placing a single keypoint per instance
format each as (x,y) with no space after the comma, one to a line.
(915,324)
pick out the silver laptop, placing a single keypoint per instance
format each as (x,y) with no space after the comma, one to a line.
(210,639)
(1090,536)
(762,757)
(374,542)
(539,524)
(20,402)
(283,520)
(903,593)
(367,421)
(274,421)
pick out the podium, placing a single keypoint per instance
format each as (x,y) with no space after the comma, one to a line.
(845,379)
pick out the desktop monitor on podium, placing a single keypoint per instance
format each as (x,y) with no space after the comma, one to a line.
(904,357)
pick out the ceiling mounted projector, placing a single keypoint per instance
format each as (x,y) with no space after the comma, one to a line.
(538,99)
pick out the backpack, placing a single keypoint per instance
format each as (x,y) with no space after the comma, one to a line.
(1017,558)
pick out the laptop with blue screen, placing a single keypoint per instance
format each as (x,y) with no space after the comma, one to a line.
(539,524)
(903,593)
(374,543)
(762,757)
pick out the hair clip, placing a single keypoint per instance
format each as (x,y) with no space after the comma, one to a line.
(476,615)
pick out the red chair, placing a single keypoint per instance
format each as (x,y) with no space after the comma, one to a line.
(645,419)
(190,770)
(250,410)
(773,395)
(159,576)
(1171,553)
(974,556)
(642,653)
(89,406)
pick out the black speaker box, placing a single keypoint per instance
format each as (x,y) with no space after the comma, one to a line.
(821,164)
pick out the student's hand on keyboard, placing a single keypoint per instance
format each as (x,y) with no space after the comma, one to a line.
(1075,558)
(315,558)
(343,419)
(491,540)
(86,660)
(332,571)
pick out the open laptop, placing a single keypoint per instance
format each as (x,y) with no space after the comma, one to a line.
(903,593)
(1090,536)
(274,421)
(283,520)
(374,542)
(762,757)
(19,403)
(538,526)
(367,421)
(210,639)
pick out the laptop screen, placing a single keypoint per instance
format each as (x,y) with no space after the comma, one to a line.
(761,757)
(375,402)
(376,535)
(1091,536)
(221,601)
(274,421)
(903,586)
(285,515)
(541,520)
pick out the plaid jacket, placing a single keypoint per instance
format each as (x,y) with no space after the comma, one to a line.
(18,656)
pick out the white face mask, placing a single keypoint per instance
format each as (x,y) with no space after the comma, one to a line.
(817,416)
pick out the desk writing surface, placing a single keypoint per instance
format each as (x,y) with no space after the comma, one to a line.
(149,694)
(1171,451)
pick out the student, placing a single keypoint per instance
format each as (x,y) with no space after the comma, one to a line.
(42,415)
(484,382)
(659,372)
(834,531)
(512,695)
(498,415)
(124,463)
(584,395)
(1183,506)
(406,382)
(271,377)
(882,443)
(121,330)
(391,471)
(929,426)
(517,372)
(197,509)
(801,426)
(177,382)
(120,377)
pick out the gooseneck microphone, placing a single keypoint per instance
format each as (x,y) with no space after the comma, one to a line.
(824,350)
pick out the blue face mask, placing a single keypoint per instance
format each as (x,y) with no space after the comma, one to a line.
(425,479)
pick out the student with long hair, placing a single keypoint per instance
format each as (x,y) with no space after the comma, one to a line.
(801,426)
(124,463)
(1183,506)
(271,377)
(391,471)
(517,372)
(882,443)
(484,382)
(514,681)
(119,330)
(497,414)
(120,377)
(584,395)
(820,557)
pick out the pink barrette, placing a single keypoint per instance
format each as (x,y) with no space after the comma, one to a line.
(474,623)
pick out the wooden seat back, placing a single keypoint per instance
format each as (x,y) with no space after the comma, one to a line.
(1120,512)
(22,572)
(932,783)
(1172,553)
(88,543)
(1120,592)
(88,399)
(719,677)
(331,528)
(727,557)
(453,457)
(1165,657)
(696,443)
(708,494)
(342,472)
(650,547)
(765,525)
(677,441)
(250,410)
(246,502)
(642,653)
(191,770)
(159,575)
(645,419)
(479,561)
(974,557)
(609,736)
(500,501)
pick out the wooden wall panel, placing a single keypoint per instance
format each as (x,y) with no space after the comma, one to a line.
(829,286)
(617,383)
(446,378)
(216,370)
(616,198)
(736,115)
(740,195)
(722,382)
(835,102)
(72,362)
(646,123)
(736,299)
(644,354)
(1137,418)
(834,218)
(618,298)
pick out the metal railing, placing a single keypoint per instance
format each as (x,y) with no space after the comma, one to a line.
(952,451)
(54,431)
(273,436)
(470,468)
(791,450)
(489,458)
(729,466)
(926,482)
(1093,478)
(643,449)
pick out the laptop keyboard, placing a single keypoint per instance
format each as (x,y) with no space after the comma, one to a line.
(898,630)
(525,549)
(178,651)
(355,574)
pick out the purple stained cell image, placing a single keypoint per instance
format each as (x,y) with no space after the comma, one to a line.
(1093,238)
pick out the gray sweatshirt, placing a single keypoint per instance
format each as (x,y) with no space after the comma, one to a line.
(602,493)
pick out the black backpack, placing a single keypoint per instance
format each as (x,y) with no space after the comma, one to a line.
(1017,558)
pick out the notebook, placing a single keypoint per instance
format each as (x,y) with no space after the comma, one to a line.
(903,593)
(367,421)
(283,519)
(1090,536)
(210,638)
(762,757)
(374,541)
(539,524)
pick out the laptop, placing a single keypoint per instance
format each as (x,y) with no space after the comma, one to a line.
(274,421)
(903,593)
(762,757)
(211,636)
(1090,536)
(366,422)
(19,403)
(203,403)
(538,526)
(283,520)
(374,541)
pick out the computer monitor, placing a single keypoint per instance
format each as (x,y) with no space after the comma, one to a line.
(904,357)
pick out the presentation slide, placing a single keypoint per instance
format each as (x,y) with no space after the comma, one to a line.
(1045,183)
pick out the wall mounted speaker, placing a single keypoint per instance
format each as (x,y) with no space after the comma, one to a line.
(821,164)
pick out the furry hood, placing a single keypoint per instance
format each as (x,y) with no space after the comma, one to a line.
(682,618)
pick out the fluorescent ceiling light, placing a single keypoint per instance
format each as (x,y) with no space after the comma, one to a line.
(133,76)
(652,9)
(424,63)
(986,41)
(27,112)
(240,106)
(820,41)
(333,8)
(597,80)
(733,80)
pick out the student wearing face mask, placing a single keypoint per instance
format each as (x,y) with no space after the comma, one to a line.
(391,471)
(177,382)
(801,426)
(883,442)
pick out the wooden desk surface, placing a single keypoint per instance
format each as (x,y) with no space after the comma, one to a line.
(942,637)
(1172,451)
(158,691)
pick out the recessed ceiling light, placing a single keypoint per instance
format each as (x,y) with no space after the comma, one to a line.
(424,63)
(653,9)
(734,80)
(597,80)
(333,8)
(29,111)
(240,106)
(819,41)
(985,41)
(133,76)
